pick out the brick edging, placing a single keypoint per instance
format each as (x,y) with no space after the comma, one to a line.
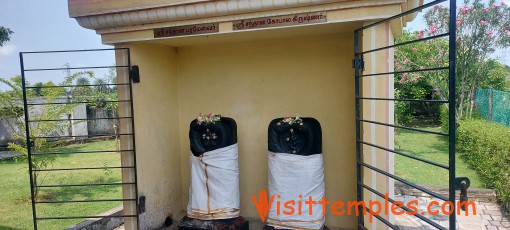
(474,194)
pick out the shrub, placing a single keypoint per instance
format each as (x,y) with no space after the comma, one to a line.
(486,148)
(443,119)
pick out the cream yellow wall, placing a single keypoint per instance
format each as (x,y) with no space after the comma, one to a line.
(87,7)
(157,133)
(126,141)
(379,86)
(252,82)
(129,21)
(310,75)
(259,81)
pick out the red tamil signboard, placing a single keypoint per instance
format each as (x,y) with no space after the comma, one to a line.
(280,21)
(186,30)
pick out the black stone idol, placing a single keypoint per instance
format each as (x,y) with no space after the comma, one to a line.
(302,138)
(214,189)
(296,172)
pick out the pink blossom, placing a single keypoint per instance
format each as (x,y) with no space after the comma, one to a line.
(464,10)
(441,51)
(439,60)
(399,67)
(485,10)
(405,75)
(433,28)
(406,60)
(495,6)
(420,33)
(422,67)
(503,3)
(459,21)
(489,33)
(474,10)
(414,49)
(484,23)
(402,80)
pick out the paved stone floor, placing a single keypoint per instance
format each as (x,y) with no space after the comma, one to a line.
(488,217)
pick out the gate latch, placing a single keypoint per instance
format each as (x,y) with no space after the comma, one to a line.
(462,180)
(462,184)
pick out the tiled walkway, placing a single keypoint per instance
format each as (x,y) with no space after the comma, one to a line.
(488,217)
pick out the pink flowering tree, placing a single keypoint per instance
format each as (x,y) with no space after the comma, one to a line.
(418,85)
(481,29)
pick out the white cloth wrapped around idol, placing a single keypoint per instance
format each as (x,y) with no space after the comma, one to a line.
(292,176)
(214,188)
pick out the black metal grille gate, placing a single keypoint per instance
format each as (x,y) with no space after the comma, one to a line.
(126,135)
(358,64)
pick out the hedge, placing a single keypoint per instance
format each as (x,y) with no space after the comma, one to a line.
(485,147)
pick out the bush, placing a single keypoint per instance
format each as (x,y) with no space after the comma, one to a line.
(486,148)
(443,119)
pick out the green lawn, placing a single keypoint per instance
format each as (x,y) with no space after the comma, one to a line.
(431,147)
(15,205)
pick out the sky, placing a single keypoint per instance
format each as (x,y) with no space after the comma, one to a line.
(503,55)
(45,25)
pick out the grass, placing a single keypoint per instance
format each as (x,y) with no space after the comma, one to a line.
(15,205)
(431,147)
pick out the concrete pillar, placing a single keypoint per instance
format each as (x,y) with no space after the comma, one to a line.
(379,86)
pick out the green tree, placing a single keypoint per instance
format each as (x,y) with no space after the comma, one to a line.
(12,100)
(417,85)
(495,75)
(105,97)
(83,88)
(5,35)
(481,29)
(37,90)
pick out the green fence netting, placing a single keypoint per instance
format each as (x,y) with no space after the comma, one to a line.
(494,105)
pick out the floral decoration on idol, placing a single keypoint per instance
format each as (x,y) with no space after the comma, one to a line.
(208,119)
(291,120)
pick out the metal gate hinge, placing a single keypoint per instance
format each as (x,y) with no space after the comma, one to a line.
(358,63)
(141,204)
(134,74)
